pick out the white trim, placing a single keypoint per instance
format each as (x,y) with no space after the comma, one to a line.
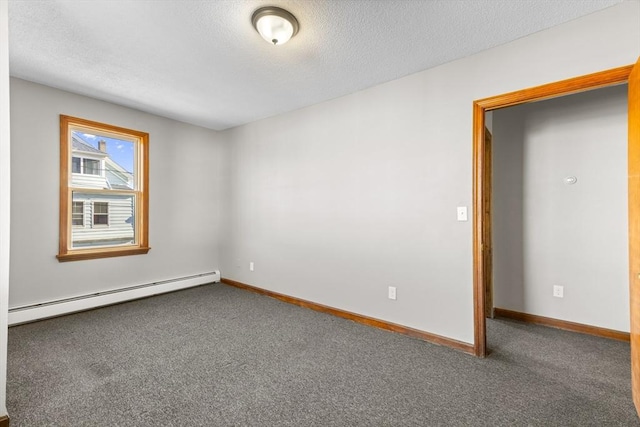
(30,313)
(5,193)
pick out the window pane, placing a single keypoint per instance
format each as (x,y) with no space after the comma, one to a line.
(116,156)
(91,166)
(100,213)
(77,216)
(75,165)
(78,207)
(112,220)
(100,219)
(100,208)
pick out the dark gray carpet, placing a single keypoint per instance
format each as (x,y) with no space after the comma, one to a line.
(219,356)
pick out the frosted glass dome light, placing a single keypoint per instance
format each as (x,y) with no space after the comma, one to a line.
(275,25)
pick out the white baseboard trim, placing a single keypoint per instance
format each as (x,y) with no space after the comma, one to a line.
(30,313)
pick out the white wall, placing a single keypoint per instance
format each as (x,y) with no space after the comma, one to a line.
(337,201)
(549,233)
(186,181)
(5,200)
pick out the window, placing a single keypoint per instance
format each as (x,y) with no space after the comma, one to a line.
(85,166)
(75,165)
(100,213)
(104,204)
(91,167)
(77,214)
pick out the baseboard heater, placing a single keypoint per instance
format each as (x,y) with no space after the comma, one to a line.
(30,313)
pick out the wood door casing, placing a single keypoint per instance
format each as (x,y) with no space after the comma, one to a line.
(634,229)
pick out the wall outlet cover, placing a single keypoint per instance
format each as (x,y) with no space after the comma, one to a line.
(558,291)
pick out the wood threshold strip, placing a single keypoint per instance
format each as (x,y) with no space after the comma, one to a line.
(561,324)
(369,321)
(4,421)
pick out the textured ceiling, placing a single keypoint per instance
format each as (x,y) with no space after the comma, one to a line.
(202,62)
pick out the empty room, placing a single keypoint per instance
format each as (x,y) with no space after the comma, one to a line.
(319,213)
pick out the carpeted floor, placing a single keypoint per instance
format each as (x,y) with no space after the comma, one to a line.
(220,356)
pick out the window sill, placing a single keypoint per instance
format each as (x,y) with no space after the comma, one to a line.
(101,253)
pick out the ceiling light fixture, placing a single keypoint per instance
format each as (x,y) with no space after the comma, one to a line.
(274,24)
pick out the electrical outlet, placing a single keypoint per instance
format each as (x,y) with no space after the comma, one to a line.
(392,292)
(251,266)
(558,291)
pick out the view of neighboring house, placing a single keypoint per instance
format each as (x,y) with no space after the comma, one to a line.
(100,218)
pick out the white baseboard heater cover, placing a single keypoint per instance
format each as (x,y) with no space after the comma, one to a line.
(30,313)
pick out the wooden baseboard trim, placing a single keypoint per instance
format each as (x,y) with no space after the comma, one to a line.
(561,324)
(369,321)
(4,421)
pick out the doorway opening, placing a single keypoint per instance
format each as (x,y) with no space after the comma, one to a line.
(559,238)
(482,250)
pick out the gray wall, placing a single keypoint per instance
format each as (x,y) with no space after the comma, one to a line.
(186,181)
(337,201)
(549,233)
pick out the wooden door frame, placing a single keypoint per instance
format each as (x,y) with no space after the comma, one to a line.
(574,85)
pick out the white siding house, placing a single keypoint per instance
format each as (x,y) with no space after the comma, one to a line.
(99,218)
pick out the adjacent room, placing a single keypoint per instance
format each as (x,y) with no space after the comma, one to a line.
(319,212)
